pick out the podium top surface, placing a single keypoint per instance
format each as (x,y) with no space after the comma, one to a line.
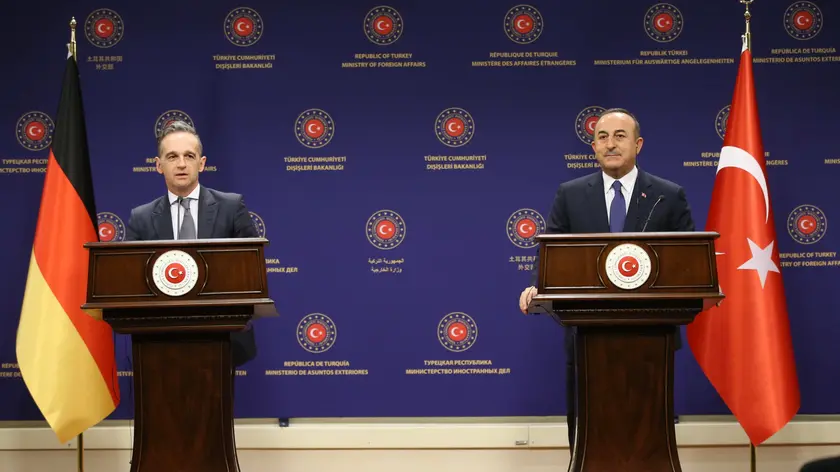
(178,243)
(635,236)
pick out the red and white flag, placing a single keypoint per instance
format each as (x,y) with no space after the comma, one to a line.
(744,345)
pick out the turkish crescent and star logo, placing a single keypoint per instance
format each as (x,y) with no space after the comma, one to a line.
(316,333)
(803,20)
(383,25)
(314,128)
(523,24)
(721,121)
(175,273)
(454,127)
(628,266)
(243,26)
(104,28)
(168,117)
(110,227)
(385,229)
(585,123)
(258,223)
(523,227)
(807,224)
(663,22)
(35,130)
(457,331)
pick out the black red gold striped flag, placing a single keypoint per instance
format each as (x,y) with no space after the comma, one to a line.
(66,356)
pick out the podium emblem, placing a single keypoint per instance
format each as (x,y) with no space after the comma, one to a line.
(175,273)
(628,266)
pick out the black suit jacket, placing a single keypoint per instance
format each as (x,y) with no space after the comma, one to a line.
(580,206)
(220,215)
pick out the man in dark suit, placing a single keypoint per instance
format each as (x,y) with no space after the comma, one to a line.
(191,211)
(619,198)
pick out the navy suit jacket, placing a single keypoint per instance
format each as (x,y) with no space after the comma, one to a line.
(220,215)
(580,206)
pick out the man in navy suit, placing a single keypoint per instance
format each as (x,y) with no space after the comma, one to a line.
(191,211)
(619,198)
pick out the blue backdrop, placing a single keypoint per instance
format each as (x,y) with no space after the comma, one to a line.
(391,155)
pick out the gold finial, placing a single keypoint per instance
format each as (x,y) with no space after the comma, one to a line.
(72,46)
(747,17)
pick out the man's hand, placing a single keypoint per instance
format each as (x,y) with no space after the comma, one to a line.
(525,298)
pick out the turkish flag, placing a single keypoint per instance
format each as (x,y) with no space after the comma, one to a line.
(744,345)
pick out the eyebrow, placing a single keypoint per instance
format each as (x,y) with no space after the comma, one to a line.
(617,131)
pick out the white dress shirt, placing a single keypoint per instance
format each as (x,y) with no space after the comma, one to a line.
(627,184)
(178,215)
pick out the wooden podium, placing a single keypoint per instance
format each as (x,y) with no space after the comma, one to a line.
(626,294)
(180,301)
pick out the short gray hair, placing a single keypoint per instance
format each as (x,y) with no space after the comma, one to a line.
(638,127)
(179,127)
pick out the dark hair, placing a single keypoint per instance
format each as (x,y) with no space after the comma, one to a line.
(176,127)
(626,112)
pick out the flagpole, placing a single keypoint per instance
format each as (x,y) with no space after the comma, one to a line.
(80,444)
(747,35)
(72,45)
(747,38)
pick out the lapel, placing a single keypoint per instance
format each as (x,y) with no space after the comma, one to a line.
(162,219)
(207,209)
(639,205)
(597,203)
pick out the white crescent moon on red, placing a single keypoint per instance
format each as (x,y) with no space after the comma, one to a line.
(731,156)
(802,19)
(385,229)
(106,231)
(457,331)
(172,273)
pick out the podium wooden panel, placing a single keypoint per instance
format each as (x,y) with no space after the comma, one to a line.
(624,345)
(183,372)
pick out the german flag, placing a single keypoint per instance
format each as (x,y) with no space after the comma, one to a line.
(66,356)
